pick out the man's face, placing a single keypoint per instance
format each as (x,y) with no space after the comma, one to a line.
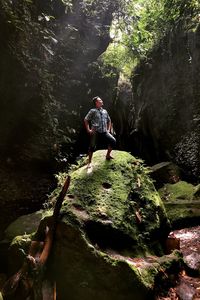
(99,103)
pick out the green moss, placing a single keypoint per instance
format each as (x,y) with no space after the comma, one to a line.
(110,198)
(25,224)
(22,240)
(99,234)
(148,274)
(196,194)
(91,193)
(163,265)
(179,190)
(114,191)
(181,201)
(182,212)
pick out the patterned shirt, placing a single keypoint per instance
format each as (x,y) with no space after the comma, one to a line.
(99,119)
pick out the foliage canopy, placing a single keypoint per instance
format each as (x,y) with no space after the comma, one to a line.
(140,24)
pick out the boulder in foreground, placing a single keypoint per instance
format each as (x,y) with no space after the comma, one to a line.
(112,225)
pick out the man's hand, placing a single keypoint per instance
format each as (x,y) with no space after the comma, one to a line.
(91,131)
(87,126)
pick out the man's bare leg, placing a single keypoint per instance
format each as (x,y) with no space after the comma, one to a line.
(108,156)
(90,159)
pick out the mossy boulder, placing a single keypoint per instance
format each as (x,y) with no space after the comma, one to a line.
(111,214)
(84,272)
(25,224)
(117,205)
(178,191)
(111,219)
(165,172)
(182,202)
(17,238)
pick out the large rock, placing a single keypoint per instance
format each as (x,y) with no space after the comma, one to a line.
(182,203)
(25,224)
(111,216)
(121,206)
(165,172)
(92,273)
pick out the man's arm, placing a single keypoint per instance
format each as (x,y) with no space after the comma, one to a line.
(87,126)
(109,124)
(88,117)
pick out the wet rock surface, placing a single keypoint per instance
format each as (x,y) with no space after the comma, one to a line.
(190,246)
(187,287)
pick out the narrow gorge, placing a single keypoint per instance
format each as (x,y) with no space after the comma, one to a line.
(113,233)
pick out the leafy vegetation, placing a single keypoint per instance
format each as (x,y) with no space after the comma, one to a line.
(140,24)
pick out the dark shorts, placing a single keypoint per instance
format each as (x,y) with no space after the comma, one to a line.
(101,139)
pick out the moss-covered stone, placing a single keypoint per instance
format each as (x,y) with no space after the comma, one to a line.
(178,191)
(117,203)
(196,194)
(182,203)
(112,216)
(165,172)
(17,252)
(84,272)
(25,224)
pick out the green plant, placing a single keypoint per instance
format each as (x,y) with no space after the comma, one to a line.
(139,25)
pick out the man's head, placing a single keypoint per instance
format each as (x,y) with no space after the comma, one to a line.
(98,102)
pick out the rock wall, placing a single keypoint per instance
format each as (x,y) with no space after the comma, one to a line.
(49,69)
(166,88)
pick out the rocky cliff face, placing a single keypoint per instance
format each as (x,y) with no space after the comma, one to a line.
(49,62)
(166,90)
(49,70)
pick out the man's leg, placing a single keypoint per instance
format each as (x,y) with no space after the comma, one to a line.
(108,156)
(111,144)
(90,154)
(91,148)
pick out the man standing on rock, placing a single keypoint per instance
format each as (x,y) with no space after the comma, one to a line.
(98,125)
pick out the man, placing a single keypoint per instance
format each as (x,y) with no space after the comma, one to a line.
(98,125)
